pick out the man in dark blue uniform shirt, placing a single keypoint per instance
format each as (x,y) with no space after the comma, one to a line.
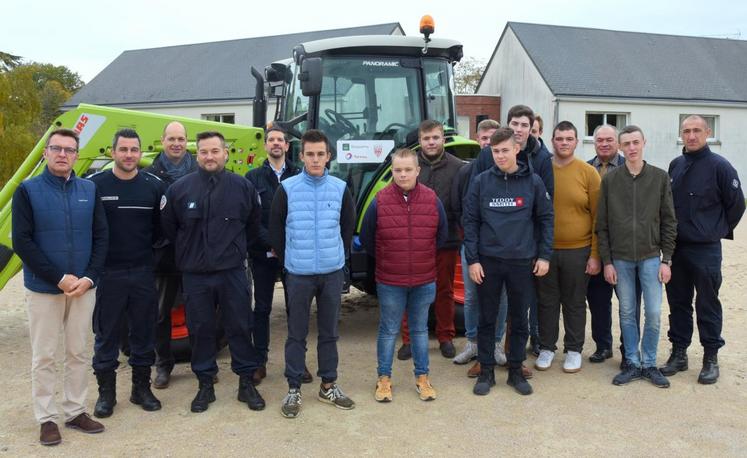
(126,289)
(708,202)
(213,216)
(264,263)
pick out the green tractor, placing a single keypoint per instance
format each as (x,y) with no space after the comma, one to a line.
(368,94)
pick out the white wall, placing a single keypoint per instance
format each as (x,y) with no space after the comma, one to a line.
(513,76)
(659,121)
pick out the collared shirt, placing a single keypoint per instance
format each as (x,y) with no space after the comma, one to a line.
(278,173)
(605,167)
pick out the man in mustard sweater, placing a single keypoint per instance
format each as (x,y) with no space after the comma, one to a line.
(575,255)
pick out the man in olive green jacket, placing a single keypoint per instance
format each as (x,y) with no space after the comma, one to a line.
(636,229)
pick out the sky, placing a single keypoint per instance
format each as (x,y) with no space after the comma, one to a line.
(87,35)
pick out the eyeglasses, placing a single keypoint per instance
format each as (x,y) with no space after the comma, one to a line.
(56,149)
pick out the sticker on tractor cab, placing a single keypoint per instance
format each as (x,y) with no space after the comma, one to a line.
(380,63)
(86,126)
(363,151)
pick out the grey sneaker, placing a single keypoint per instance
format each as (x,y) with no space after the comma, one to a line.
(291,403)
(334,395)
(468,354)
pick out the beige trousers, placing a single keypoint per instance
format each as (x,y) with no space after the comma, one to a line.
(49,316)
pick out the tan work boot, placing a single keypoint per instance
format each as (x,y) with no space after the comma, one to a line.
(474,371)
(383,389)
(426,391)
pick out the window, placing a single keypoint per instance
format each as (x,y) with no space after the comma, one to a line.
(228,118)
(711,120)
(596,119)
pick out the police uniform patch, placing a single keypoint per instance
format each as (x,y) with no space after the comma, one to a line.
(163,202)
(735,183)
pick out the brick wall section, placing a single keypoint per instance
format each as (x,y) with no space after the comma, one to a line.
(478,105)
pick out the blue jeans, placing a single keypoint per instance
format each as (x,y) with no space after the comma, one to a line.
(648,274)
(394,301)
(472,309)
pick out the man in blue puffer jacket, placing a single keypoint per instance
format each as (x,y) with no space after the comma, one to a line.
(61,235)
(312,219)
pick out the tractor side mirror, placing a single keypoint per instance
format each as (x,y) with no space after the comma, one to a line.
(310,76)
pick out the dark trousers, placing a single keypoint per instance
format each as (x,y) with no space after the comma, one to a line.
(564,287)
(169,288)
(203,293)
(264,275)
(327,289)
(599,297)
(443,306)
(517,278)
(696,268)
(124,295)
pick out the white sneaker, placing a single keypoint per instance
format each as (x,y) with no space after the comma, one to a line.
(500,355)
(572,362)
(468,354)
(544,360)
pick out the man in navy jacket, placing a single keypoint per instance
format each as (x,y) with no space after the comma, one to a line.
(708,202)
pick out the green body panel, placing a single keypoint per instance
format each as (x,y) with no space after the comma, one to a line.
(461,147)
(96,126)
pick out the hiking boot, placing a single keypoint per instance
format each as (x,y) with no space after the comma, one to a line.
(141,394)
(447,349)
(163,376)
(653,375)
(306,377)
(572,363)
(291,403)
(259,374)
(334,395)
(383,391)
(248,393)
(474,371)
(544,360)
(85,424)
(517,380)
(107,394)
(627,375)
(468,354)
(425,389)
(677,362)
(484,382)
(500,355)
(405,352)
(49,434)
(205,395)
(600,355)
(709,374)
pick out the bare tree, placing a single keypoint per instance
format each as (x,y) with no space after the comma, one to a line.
(9,61)
(467,75)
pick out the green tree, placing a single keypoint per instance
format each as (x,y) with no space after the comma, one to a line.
(9,61)
(467,75)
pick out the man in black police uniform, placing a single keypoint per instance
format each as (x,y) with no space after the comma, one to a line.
(170,165)
(708,202)
(126,288)
(264,262)
(213,216)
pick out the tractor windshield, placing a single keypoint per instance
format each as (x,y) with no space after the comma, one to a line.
(369,106)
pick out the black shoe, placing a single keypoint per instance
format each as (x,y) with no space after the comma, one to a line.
(107,394)
(249,394)
(653,375)
(306,377)
(447,349)
(628,374)
(485,380)
(517,380)
(259,375)
(623,363)
(205,395)
(600,355)
(677,362)
(405,352)
(163,376)
(709,374)
(141,393)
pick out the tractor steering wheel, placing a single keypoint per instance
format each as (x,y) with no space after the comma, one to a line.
(337,118)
